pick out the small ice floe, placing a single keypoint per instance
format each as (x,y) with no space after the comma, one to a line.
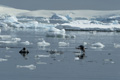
(26,43)
(9,42)
(31,66)
(116,45)
(76,58)
(85,43)
(4,37)
(7,48)
(39,62)
(62,44)
(43,43)
(16,39)
(2,59)
(106,61)
(77,53)
(41,56)
(97,45)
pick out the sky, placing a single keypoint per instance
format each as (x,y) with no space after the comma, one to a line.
(63,4)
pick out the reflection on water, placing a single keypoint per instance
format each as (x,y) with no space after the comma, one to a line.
(58,61)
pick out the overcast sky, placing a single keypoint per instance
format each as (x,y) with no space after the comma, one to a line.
(63,4)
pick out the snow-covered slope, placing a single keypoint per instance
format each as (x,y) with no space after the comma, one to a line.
(72,13)
(49,13)
(11,11)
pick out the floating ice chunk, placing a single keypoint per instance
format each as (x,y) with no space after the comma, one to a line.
(1,60)
(26,43)
(116,45)
(109,61)
(16,39)
(41,62)
(31,67)
(43,43)
(7,48)
(77,58)
(63,44)
(36,56)
(8,42)
(85,43)
(54,32)
(98,45)
(4,37)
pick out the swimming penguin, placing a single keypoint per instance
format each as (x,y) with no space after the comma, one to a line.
(24,52)
(82,48)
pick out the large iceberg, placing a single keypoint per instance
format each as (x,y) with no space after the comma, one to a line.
(56,18)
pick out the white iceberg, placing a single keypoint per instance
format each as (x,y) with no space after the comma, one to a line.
(57,16)
(54,32)
(43,43)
